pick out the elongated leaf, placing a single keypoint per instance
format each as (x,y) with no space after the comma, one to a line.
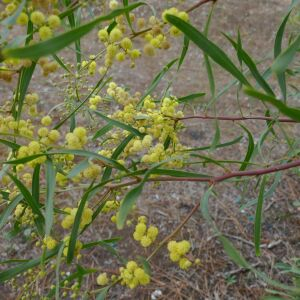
(27,196)
(283,60)
(20,268)
(50,190)
(125,3)
(119,124)
(185,48)
(251,65)
(59,42)
(291,112)
(79,168)
(258,216)
(127,204)
(9,209)
(277,50)
(190,97)
(115,155)
(10,144)
(249,150)
(36,184)
(102,295)
(178,173)
(208,47)
(230,143)
(76,226)
(103,130)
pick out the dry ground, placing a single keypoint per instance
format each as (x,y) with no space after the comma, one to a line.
(168,203)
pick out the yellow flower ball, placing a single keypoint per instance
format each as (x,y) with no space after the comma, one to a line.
(45,33)
(126,43)
(102,279)
(37,18)
(115,35)
(22,19)
(54,21)
(46,121)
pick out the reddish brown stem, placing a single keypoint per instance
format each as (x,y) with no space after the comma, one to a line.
(199,4)
(223,177)
(216,179)
(225,118)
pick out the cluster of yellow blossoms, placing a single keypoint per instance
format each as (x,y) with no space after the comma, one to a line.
(133,275)
(146,236)
(177,252)
(68,220)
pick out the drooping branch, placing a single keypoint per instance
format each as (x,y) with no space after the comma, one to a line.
(229,118)
(217,179)
(214,179)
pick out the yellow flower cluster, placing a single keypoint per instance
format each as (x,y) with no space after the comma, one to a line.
(50,242)
(48,66)
(32,148)
(180,14)
(133,276)
(102,279)
(94,101)
(177,252)
(110,205)
(68,220)
(22,127)
(92,172)
(146,236)
(76,139)
(45,25)
(24,215)
(156,122)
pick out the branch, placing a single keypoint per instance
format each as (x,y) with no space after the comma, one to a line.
(178,228)
(217,179)
(225,118)
(199,4)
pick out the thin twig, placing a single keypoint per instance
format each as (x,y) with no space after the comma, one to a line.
(230,118)
(178,228)
(200,3)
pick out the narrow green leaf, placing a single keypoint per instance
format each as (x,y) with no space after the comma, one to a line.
(20,268)
(119,124)
(115,155)
(59,42)
(9,209)
(27,196)
(178,173)
(35,189)
(76,226)
(190,97)
(277,50)
(103,131)
(251,65)
(283,60)
(291,112)
(102,295)
(208,47)
(10,144)
(258,216)
(127,204)
(230,143)
(79,168)
(249,150)
(50,190)
(185,48)
(127,15)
